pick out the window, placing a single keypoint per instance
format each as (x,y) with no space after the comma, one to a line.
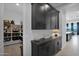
(68,27)
(75,27)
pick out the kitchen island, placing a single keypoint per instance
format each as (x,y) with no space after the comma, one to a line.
(68,36)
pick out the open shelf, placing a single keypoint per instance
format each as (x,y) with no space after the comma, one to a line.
(13,34)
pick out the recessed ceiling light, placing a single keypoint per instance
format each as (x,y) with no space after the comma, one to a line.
(44,7)
(17,4)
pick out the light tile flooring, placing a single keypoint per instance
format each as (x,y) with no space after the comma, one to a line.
(13,50)
(71,48)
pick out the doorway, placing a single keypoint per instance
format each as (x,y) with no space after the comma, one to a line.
(71,30)
(13,29)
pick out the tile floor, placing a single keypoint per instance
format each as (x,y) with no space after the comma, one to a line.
(13,50)
(71,48)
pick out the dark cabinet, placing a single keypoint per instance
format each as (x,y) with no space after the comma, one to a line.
(68,36)
(40,48)
(44,17)
(58,44)
(46,47)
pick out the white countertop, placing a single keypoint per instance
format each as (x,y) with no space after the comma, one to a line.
(68,32)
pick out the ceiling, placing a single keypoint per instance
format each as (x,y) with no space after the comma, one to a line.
(74,7)
(70,7)
(57,5)
(18,9)
(12,7)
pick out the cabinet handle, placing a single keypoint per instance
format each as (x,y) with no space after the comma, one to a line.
(57,43)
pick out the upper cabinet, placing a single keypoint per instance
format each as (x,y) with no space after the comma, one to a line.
(44,16)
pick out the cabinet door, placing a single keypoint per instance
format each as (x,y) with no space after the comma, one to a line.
(52,48)
(58,44)
(38,18)
(44,49)
(52,20)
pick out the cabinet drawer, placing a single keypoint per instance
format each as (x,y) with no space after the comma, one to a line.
(58,45)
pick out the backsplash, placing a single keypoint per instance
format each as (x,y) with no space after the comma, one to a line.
(37,34)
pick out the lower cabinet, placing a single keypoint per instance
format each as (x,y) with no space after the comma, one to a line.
(68,36)
(44,49)
(47,47)
(58,44)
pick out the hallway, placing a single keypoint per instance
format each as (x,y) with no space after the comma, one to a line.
(71,48)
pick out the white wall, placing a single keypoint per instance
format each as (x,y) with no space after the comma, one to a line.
(12,15)
(1,29)
(27,32)
(62,24)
